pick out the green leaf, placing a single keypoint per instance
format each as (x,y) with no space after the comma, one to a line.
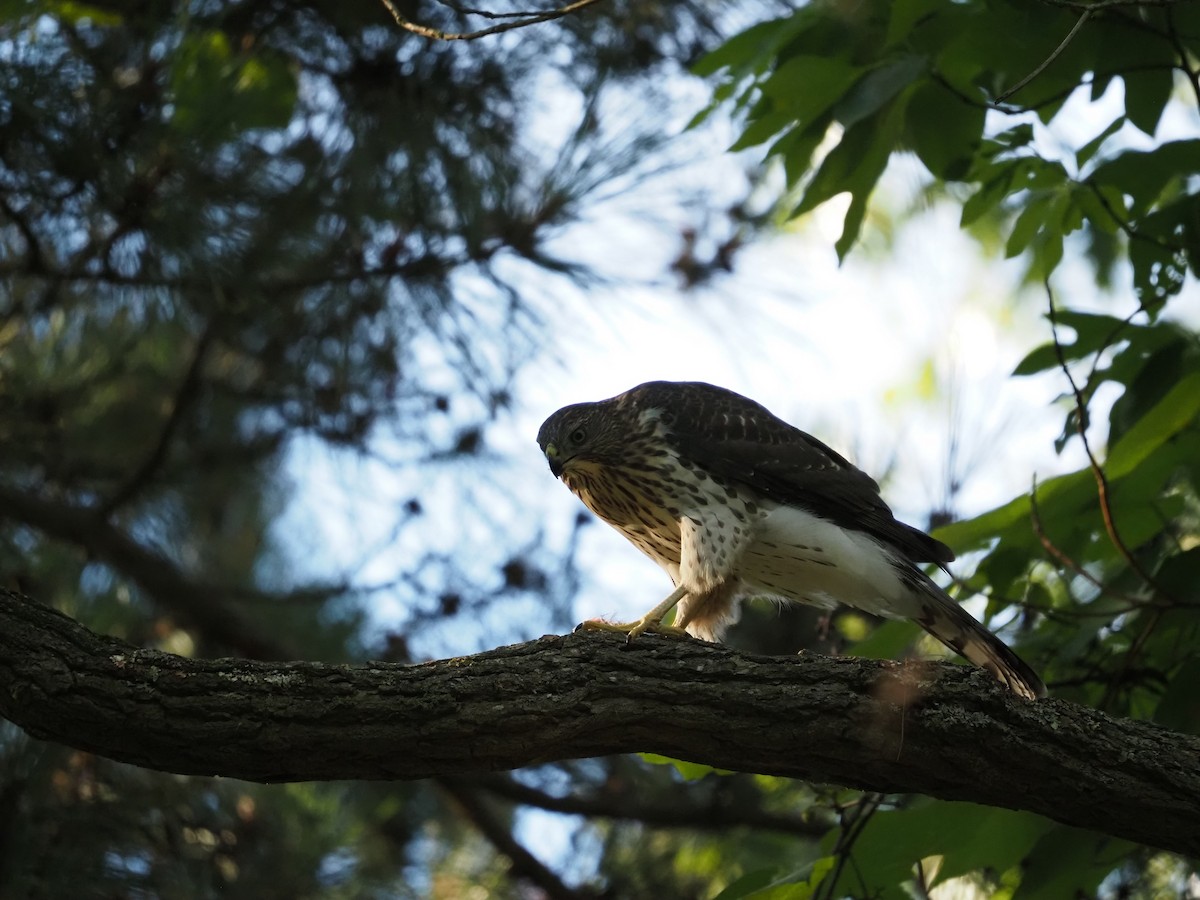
(1063,494)
(854,166)
(1094,331)
(1014,138)
(878,87)
(1031,220)
(1146,96)
(987,198)
(946,132)
(1140,515)
(1155,359)
(754,48)
(807,86)
(216,93)
(762,129)
(1179,709)
(889,640)
(907,13)
(742,51)
(1176,411)
(79,13)
(797,148)
(1039,359)
(1160,258)
(1048,242)
(1144,174)
(775,884)
(1101,205)
(748,884)
(689,770)
(264,93)
(1158,273)
(1006,565)
(967,837)
(1069,862)
(1085,153)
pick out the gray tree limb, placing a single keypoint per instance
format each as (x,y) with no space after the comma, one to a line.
(936,729)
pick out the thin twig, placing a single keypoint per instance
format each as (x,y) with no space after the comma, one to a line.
(1111,338)
(1110,525)
(1052,548)
(1193,75)
(189,387)
(487,14)
(1123,677)
(866,807)
(1098,5)
(523,865)
(1057,96)
(679,812)
(35,256)
(1130,232)
(438,35)
(1087,14)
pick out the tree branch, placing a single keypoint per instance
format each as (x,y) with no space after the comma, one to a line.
(517,20)
(960,736)
(522,864)
(681,812)
(1045,63)
(202,604)
(185,395)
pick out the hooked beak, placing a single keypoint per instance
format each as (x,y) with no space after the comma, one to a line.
(556,462)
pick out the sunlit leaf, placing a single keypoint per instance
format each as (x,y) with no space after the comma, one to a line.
(689,770)
(80,13)
(966,836)
(1085,153)
(1068,862)
(777,884)
(1173,413)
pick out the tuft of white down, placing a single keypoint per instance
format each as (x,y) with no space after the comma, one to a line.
(789,554)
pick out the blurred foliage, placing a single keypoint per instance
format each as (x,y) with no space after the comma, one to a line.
(1093,574)
(835,89)
(239,241)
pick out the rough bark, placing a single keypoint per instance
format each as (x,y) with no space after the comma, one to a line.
(936,729)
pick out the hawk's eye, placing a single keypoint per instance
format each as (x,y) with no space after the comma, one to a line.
(578,436)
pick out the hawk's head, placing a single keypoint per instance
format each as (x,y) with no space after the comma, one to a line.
(583,432)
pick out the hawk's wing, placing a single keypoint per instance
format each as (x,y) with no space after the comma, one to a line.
(736,439)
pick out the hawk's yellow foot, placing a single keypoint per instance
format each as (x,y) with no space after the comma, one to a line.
(651,621)
(632,629)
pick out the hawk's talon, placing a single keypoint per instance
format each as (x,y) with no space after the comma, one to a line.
(632,629)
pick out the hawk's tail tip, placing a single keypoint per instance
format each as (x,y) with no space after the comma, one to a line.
(1003,664)
(958,630)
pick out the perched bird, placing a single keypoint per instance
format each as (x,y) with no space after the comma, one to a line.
(732,501)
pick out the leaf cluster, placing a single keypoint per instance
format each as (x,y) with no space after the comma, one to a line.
(1093,573)
(834,91)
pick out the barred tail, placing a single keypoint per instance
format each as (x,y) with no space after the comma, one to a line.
(958,630)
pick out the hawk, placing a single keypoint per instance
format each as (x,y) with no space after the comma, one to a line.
(732,501)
